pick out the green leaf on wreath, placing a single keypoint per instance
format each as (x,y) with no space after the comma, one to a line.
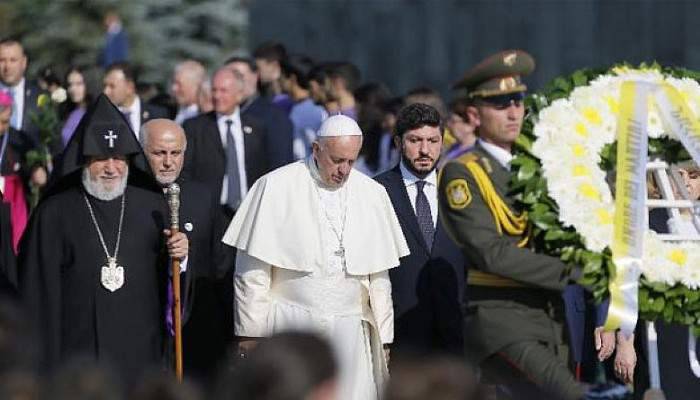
(658,304)
(527,169)
(579,78)
(563,84)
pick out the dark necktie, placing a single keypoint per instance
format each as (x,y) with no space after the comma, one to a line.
(425,218)
(233,199)
(127,115)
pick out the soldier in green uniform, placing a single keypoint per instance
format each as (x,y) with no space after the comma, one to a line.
(514,324)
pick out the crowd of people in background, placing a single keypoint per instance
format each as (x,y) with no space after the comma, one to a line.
(266,109)
(289,96)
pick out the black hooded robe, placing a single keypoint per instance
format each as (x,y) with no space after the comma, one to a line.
(61,285)
(61,258)
(8,265)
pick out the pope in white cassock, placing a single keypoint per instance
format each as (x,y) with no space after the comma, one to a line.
(315,242)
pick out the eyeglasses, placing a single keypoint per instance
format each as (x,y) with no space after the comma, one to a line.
(500,105)
(502,102)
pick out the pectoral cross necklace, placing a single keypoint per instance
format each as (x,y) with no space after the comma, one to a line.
(112,274)
(339,234)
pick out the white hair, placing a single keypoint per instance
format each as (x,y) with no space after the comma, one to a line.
(193,68)
(98,190)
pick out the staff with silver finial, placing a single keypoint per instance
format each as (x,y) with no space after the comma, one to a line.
(174,205)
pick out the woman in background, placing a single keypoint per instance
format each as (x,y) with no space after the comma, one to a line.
(78,100)
(462,129)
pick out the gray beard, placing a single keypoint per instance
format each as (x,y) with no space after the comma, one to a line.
(165,182)
(97,189)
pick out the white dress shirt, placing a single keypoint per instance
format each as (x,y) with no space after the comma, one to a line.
(184,113)
(134,111)
(430,189)
(501,155)
(237,132)
(17,102)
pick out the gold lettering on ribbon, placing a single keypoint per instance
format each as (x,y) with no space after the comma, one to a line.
(630,197)
(677,117)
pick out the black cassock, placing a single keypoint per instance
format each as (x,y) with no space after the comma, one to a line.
(61,260)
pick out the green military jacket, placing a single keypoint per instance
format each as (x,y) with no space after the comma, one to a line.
(493,324)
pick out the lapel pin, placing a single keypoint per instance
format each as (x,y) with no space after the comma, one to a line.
(189,227)
(247,129)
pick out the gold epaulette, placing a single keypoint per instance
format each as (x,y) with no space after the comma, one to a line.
(467,157)
(504,218)
(479,278)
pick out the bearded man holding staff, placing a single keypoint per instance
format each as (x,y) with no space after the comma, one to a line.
(315,242)
(93,265)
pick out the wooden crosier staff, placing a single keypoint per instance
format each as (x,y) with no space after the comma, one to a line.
(174,204)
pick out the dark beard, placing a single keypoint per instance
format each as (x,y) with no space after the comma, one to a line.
(409,165)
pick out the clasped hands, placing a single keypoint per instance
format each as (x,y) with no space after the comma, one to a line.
(625,358)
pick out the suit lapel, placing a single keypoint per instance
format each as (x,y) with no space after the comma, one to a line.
(186,217)
(27,104)
(402,206)
(251,144)
(213,127)
(145,114)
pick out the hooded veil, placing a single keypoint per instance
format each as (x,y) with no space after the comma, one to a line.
(102,132)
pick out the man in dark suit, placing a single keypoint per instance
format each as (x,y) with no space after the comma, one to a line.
(427,288)
(204,333)
(13,65)
(276,121)
(228,170)
(228,151)
(120,86)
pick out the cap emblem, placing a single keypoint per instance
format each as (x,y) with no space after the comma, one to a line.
(507,83)
(509,59)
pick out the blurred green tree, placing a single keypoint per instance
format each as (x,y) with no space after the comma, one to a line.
(160,32)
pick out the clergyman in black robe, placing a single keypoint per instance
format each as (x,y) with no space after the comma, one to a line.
(81,303)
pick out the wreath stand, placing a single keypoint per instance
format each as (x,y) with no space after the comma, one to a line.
(663,175)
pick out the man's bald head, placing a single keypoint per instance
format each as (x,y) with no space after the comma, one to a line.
(164,143)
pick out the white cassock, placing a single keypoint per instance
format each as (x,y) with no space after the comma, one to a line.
(290,274)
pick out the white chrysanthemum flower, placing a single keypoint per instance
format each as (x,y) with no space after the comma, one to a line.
(570,135)
(59,95)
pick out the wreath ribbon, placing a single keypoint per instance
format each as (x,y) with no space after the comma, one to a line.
(630,195)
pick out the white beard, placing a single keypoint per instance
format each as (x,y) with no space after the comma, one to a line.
(98,190)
